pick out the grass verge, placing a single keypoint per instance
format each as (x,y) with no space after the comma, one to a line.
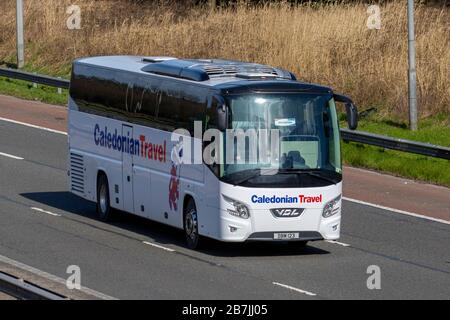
(432,130)
(27,90)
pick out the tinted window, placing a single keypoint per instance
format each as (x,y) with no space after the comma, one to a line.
(211,114)
(143,100)
(193,107)
(169,107)
(98,91)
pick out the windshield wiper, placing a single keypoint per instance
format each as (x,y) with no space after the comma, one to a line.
(321,177)
(308,172)
(246,178)
(257,173)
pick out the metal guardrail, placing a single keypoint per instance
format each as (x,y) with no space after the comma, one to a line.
(21,289)
(425,149)
(35,78)
(421,148)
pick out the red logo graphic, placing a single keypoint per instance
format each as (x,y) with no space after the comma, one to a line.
(174,192)
(174,183)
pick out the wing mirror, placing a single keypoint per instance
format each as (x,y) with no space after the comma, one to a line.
(351,110)
(222,115)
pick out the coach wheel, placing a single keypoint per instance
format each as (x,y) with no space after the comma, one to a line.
(103,204)
(191,225)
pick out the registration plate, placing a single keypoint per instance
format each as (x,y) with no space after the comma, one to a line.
(286,235)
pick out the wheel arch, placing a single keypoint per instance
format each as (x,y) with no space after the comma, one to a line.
(186,199)
(100,172)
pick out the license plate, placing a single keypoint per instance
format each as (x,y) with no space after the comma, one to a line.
(286,235)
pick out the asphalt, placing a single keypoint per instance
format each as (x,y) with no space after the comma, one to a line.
(4,296)
(413,254)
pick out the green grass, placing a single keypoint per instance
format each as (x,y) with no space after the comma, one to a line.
(26,90)
(433,130)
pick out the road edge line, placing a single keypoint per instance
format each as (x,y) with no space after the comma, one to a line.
(411,214)
(308,293)
(11,156)
(33,126)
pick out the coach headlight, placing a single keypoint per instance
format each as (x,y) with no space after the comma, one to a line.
(238,208)
(332,207)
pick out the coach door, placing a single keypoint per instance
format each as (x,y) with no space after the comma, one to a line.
(127,173)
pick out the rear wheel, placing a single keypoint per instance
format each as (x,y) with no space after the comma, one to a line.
(103,203)
(191,225)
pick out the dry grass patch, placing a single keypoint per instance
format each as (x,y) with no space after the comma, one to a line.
(329,44)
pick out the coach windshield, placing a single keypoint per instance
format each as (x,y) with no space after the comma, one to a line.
(302,136)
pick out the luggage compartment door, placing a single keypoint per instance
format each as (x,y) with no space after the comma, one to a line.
(127,171)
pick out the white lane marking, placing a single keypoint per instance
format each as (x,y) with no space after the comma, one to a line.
(397,210)
(338,243)
(10,156)
(294,289)
(53,278)
(33,126)
(157,246)
(45,211)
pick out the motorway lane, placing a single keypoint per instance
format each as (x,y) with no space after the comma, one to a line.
(413,253)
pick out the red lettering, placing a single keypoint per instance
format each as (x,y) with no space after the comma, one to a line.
(160,153)
(150,151)
(305,199)
(142,139)
(164,150)
(155,152)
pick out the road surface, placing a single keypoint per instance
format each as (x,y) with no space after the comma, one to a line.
(44,226)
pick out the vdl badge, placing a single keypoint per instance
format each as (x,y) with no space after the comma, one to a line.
(287,212)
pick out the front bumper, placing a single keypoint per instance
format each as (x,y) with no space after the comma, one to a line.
(264,222)
(269,236)
(233,229)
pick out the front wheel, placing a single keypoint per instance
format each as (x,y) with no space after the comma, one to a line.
(191,225)
(103,203)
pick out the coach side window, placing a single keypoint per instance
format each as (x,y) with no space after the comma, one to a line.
(168,112)
(148,100)
(115,95)
(211,121)
(192,107)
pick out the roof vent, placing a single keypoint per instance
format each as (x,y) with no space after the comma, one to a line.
(256,76)
(203,70)
(220,70)
(157,59)
(183,69)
